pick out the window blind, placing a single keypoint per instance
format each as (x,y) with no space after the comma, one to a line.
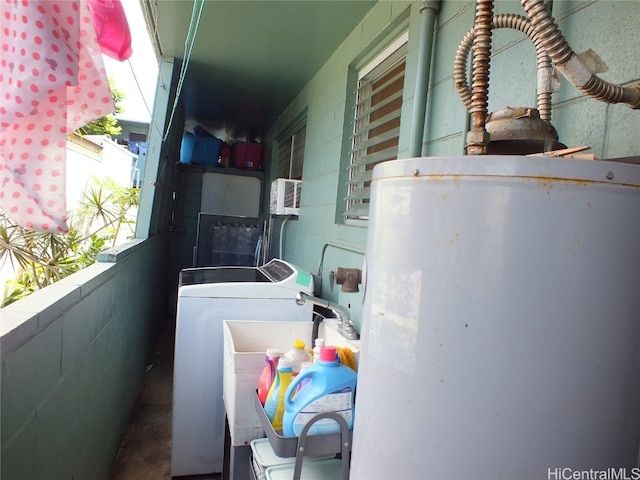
(376,127)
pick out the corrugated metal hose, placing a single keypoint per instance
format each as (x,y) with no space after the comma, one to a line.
(550,47)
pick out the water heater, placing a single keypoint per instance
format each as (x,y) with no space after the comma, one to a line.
(501,319)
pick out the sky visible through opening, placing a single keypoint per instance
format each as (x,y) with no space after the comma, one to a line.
(137,76)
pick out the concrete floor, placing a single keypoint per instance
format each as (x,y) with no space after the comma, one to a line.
(145,452)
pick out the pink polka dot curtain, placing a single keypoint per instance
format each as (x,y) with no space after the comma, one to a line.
(52,82)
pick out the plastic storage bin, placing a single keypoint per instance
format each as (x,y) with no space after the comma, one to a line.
(200,149)
(264,457)
(246,155)
(316,470)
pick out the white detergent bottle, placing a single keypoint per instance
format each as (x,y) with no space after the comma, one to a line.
(316,349)
(298,355)
(330,387)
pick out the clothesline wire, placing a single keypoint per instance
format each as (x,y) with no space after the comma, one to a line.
(151,18)
(190,40)
(144,100)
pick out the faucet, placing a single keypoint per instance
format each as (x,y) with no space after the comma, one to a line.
(345,326)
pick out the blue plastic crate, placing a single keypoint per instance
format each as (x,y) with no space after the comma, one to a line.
(200,149)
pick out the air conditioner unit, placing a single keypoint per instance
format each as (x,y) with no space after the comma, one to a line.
(285,196)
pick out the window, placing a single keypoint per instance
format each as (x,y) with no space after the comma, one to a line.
(290,154)
(137,137)
(377,123)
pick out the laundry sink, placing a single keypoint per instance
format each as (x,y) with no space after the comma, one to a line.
(245,344)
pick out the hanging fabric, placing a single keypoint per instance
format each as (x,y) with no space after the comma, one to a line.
(112,28)
(52,81)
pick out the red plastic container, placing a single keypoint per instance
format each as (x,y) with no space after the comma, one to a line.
(246,155)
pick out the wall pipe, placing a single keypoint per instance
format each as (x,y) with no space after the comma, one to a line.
(324,249)
(429,11)
(282,226)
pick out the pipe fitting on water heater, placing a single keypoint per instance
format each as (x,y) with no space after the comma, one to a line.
(552,52)
(349,279)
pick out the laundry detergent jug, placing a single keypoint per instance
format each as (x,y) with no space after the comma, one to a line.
(328,387)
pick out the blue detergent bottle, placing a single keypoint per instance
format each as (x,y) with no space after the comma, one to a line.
(330,387)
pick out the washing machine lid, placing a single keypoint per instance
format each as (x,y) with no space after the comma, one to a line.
(275,276)
(207,275)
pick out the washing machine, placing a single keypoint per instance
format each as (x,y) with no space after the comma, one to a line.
(206,297)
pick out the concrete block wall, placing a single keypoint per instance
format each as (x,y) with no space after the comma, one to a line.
(326,101)
(610,130)
(186,208)
(73,355)
(600,25)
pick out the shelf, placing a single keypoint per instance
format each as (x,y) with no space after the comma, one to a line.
(221,170)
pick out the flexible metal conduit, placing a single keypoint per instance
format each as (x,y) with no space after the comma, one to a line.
(477,137)
(570,65)
(544,68)
(429,11)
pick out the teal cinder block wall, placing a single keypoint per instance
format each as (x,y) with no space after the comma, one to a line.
(72,365)
(607,27)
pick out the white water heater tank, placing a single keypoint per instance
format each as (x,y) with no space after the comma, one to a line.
(501,320)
